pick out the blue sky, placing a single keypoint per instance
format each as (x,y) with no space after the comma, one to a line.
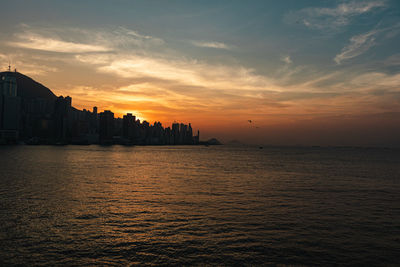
(214,62)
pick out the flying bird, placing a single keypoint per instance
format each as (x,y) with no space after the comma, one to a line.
(253,124)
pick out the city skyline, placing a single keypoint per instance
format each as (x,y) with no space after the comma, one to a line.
(31,113)
(306,73)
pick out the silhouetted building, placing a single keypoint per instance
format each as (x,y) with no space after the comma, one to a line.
(94,125)
(10,105)
(189,136)
(129,127)
(31,113)
(106,127)
(8,84)
(175,133)
(62,119)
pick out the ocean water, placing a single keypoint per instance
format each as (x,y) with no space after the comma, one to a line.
(184,205)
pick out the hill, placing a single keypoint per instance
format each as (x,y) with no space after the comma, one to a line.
(28,88)
(211,142)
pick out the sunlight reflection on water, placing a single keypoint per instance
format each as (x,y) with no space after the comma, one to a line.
(199,205)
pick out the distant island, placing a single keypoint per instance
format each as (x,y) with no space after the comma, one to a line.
(210,142)
(31,113)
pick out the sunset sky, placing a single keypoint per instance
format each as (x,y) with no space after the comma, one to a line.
(304,72)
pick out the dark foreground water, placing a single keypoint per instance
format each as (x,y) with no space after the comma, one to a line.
(199,206)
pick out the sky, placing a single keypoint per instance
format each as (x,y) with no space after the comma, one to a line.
(265,72)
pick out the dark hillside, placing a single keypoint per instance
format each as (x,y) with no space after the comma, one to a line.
(28,88)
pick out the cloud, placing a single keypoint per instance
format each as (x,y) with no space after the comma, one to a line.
(377,80)
(33,69)
(332,18)
(138,36)
(26,64)
(217,45)
(38,42)
(124,38)
(4,61)
(287,59)
(393,60)
(359,44)
(77,41)
(141,73)
(183,71)
(179,84)
(157,85)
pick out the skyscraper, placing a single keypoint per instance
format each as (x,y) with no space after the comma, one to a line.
(106,129)
(62,108)
(175,133)
(10,105)
(129,126)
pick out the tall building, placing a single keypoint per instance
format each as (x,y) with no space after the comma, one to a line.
(8,84)
(183,134)
(128,127)
(10,105)
(61,118)
(106,128)
(189,138)
(94,122)
(175,133)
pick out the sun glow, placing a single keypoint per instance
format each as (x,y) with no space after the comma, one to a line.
(137,114)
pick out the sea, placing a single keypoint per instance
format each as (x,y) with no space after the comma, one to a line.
(199,206)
